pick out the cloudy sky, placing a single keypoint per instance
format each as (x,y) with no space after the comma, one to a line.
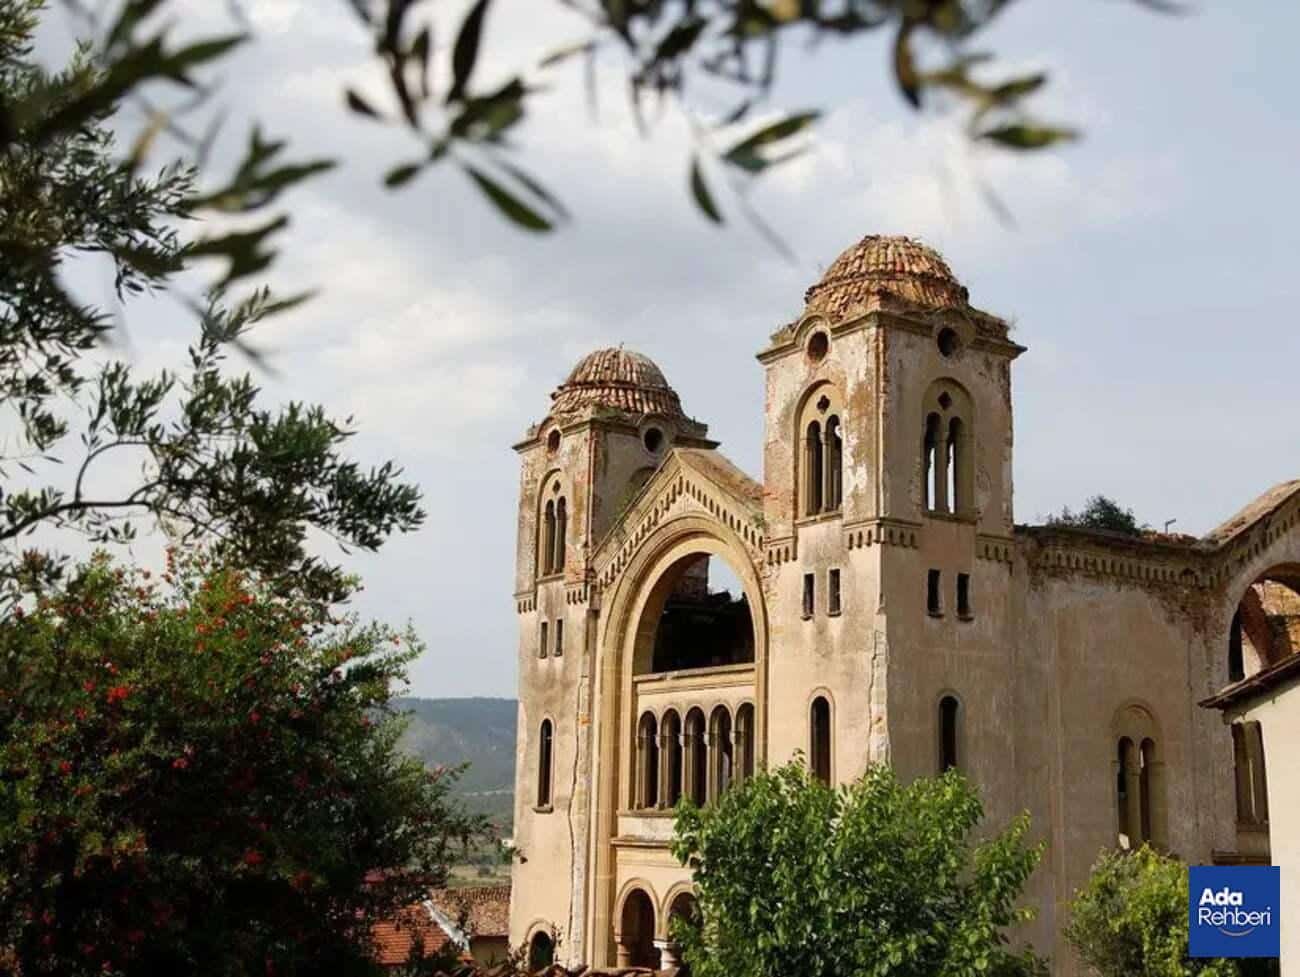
(1150,271)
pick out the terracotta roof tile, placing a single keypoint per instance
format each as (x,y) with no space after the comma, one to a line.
(485,910)
(617,378)
(395,939)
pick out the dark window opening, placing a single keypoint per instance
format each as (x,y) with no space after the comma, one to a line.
(671,751)
(548,540)
(834,464)
(559,637)
(809,595)
(819,747)
(949,708)
(956,496)
(647,787)
(1236,656)
(695,754)
(653,439)
(541,951)
(833,592)
(702,624)
(542,647)
(544,764)
(814,471)
(818,346)
(745,741)
(561,534)
(930,462)
(963,595)
(949,341)
(933,598)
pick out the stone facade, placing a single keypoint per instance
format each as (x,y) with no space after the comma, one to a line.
(884,608)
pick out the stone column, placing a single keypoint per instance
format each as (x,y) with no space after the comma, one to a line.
(624,958)
(670,954)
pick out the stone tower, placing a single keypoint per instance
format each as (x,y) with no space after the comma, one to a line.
(611,423)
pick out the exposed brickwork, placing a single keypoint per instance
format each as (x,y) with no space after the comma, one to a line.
(620,379)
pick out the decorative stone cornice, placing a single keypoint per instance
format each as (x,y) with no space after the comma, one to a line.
(884,531)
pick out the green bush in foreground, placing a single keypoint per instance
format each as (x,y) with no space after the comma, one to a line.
(876,878)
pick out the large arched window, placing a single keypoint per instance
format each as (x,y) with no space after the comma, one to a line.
(670,753)
(949,718)
(947,450)
(821,462)
(636,933)
(647,762)
(819,739)
(544,763)
(541,951)
(1252,788)
(705,621)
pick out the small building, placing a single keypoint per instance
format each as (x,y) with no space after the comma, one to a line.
(411,935)
(1263,710)
(477,918)
(868,598)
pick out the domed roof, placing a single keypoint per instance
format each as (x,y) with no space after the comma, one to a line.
(620,379)
(886,266)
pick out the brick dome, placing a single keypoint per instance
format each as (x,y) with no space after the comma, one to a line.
(619,379)
(883,266)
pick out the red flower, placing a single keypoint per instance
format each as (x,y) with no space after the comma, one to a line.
(65,767)
(89,685)
(253,857)
(118,693)
(180,763)
(254,717)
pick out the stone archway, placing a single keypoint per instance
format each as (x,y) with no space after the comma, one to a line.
(627,634)
(636,931)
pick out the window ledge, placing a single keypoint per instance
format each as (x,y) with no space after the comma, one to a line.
(834,613)
(551,577)
(806,617)
(543,808)
(648,812)
(818,517)
(965,617)
(964,518)
(934,613)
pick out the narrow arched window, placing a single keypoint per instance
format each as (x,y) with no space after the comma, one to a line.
(547,556)
(956,466)
(1125,789)
(744,737)
(930,461)
(561,533)
(647,791)
(670,751)
(819,747)
(834,464)
(721,756)
(1146,761)
(1236,654)
(544,748)
(814,472)
(949,716)
(695,771)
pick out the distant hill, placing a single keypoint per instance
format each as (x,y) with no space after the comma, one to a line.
(480,732)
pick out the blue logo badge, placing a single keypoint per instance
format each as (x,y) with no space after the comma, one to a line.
(1233,910)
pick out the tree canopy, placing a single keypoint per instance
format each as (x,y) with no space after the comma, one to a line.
(201,777)
(214,464)
(1131,918)
(1099,512)
(796,877)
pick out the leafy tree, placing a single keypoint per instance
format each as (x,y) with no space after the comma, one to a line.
(1099,512)
(214,464)
(1130,920)
(199,776)
(881,878)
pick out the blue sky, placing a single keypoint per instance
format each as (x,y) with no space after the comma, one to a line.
(1151,272)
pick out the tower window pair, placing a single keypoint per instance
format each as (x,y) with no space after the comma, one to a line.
(947,466)
(544,646)
(555,529)
(834,603)
(934,595)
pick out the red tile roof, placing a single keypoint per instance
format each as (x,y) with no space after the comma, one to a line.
(395,939)
(484,910)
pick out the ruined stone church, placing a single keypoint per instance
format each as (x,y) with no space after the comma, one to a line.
(881,606)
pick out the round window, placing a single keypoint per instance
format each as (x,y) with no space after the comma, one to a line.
(654,440)
(553,441)
(949,341)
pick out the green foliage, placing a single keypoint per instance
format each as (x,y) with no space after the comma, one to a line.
(213,463)
(200,775)
(1099,512)
(665,52)
(876,878)
(1130,920)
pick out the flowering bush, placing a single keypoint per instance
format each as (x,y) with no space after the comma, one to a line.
(200,775)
